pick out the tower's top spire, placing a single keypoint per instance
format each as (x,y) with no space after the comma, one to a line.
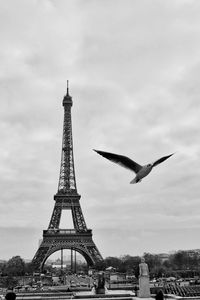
(67,180)
(67,98)
(67,87)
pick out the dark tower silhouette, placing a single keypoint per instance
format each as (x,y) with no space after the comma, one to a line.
(67,198)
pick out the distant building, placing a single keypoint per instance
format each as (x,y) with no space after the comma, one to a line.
(111,269)
(191,253)
(163,256)
(58,266)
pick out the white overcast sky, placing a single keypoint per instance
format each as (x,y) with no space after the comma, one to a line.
(134,72)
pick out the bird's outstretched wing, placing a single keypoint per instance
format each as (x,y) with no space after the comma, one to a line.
(121,160)
(160,160)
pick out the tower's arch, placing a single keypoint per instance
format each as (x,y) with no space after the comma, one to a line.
(88,258)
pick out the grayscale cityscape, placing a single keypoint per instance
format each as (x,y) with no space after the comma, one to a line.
(100,149)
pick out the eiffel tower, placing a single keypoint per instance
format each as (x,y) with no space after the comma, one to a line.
(67,198)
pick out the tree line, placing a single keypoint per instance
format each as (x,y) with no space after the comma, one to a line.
(179,264)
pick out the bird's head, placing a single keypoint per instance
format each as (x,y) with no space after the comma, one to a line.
(149,165)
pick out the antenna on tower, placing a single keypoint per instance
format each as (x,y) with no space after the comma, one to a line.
(67,87)
(67,98)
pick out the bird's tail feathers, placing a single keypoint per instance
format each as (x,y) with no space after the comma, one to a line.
(134,181)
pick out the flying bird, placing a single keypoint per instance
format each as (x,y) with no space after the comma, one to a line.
(126,162)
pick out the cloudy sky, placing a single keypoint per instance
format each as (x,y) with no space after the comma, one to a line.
(134,72)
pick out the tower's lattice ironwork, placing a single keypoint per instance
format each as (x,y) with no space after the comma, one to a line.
(79,238)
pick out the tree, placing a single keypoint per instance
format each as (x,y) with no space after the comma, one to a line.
(2,268)
(152,260)
(100,265)
(9,282)
(114,262)
(15,266)
(180,260)
(130,264)
(29,268)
